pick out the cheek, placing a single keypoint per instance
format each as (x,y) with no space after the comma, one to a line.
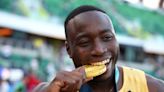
(116,47)
(113,47)
(115,52)
(82,53)
(79,57)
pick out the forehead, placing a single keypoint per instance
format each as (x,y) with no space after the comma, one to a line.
(91,20)
(86,18)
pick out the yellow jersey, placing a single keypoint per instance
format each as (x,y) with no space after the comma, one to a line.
(134,80)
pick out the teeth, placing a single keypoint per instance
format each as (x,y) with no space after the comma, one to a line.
(102,62)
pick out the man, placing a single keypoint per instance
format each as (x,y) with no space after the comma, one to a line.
(90,39)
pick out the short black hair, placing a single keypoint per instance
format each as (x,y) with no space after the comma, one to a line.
(78,10)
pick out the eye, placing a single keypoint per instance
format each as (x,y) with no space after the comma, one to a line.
(83,43)
(107,37)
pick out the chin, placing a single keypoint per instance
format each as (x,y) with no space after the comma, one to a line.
(106,75)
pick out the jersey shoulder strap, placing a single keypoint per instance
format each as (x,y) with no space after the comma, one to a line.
(134,80)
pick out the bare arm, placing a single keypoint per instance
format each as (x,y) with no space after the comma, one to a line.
(41,87)
(154,84)
(161,86)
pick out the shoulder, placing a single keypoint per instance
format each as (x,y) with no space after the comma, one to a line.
(154,84)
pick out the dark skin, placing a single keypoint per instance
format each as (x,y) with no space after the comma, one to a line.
(91,38)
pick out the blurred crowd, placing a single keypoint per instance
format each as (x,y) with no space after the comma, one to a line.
(24,63)
(16,80)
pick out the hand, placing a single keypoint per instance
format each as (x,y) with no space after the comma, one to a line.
(68,81)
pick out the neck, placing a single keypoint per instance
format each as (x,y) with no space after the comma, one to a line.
(106,84)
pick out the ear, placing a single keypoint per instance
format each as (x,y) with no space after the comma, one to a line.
(68,49)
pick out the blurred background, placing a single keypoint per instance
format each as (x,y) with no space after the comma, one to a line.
(32,38)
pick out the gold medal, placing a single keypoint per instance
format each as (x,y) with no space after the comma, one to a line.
(94,70)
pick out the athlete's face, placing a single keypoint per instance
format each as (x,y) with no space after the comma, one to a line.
(91,38)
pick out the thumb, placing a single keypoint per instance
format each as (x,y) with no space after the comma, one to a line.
(82,70)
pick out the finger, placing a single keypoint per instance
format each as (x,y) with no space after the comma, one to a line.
(74,80)
(59,83)
(67,77)
(65,88)
(55,86)
(69,88)
(79,79)
(69,80)
(80,69)
(78,75)
(80,83)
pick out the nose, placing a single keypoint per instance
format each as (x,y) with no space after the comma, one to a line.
(98,49)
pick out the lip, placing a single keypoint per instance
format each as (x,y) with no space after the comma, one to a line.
(105,61)
(109,64)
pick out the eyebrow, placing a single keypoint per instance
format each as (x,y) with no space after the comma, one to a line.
(83,34)
(106,30)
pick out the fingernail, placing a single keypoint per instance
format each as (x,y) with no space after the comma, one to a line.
(82,70)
